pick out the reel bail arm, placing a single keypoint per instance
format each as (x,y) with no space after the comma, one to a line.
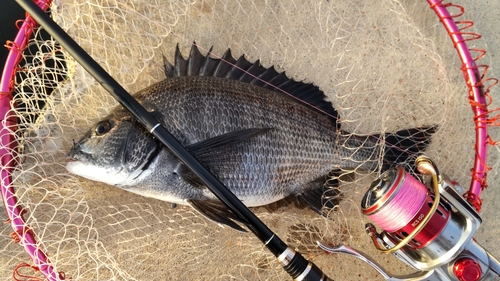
(430,229)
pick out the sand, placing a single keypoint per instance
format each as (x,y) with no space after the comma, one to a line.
(139,213)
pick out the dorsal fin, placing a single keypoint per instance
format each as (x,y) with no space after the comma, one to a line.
(253,73)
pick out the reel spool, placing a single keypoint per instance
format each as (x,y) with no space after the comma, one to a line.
(430,229)
(399,203)
(427,228)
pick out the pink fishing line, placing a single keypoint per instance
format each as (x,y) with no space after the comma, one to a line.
(398,211)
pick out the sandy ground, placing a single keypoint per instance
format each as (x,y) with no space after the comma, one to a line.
(486,15)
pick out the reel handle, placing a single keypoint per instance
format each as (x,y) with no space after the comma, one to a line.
(441,246)
(491,270)
(342,249)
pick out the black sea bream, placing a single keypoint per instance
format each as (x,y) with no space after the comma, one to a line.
(261,143)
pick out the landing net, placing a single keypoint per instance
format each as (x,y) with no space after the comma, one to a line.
(385,65)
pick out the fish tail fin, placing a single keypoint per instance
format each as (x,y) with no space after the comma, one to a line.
(404,145)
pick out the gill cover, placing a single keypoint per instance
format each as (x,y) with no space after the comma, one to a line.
(114,151)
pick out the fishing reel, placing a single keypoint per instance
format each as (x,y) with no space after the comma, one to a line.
(430,229)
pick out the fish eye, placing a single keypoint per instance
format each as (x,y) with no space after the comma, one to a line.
(102,128)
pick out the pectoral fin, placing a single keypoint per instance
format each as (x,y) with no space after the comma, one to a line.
(217,212)
(206,146)
(215,151)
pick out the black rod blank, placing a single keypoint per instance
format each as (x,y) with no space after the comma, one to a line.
(151,124)
(303,269)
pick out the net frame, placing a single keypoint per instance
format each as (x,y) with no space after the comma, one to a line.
(479,87)
(22,234)
(474,74)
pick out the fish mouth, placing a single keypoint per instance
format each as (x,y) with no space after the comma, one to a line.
(74,156)
(70,159)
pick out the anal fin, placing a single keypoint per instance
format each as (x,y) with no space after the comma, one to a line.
(217,212)
(321,197)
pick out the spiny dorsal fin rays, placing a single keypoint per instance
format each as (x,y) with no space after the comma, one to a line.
(241,66)
(180,64)
(209,64)
(265,76)
(253,73)
(226,63)
(168,68)
(195,61)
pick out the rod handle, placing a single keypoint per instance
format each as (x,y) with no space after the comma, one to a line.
(301,269)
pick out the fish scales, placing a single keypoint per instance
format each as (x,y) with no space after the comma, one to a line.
(261,143)
(275,163)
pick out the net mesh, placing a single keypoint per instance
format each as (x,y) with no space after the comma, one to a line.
(385,65)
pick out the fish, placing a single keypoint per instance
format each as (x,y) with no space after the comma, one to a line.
(263,135)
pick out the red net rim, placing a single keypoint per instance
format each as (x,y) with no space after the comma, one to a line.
(474,76)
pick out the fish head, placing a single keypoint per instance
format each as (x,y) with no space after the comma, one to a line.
(116,150)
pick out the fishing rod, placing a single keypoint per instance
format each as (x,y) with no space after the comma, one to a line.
(293,262)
